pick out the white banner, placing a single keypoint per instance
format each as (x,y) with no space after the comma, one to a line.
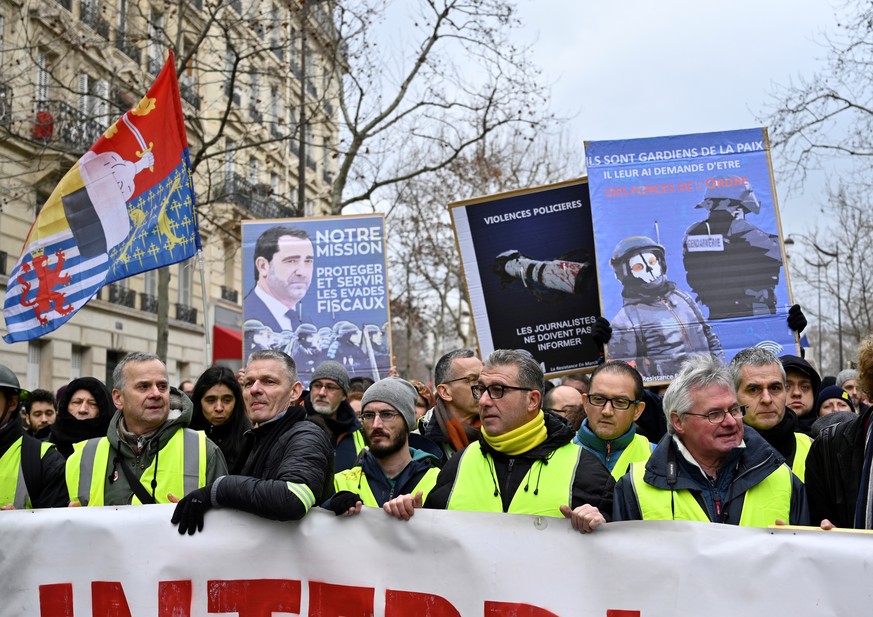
(131,561)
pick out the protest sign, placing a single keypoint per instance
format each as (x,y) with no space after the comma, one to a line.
(317,289)
(689,248)
(528,259)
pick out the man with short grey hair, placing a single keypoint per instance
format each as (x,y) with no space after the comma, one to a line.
(710,466)
(453,422)
(761,384)
(289,465)
(149,455)
(524,461)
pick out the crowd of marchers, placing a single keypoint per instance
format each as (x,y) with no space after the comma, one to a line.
(764,440)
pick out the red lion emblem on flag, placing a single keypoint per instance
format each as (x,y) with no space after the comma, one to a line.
(49,278)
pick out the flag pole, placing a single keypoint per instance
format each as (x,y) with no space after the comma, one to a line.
(200,262)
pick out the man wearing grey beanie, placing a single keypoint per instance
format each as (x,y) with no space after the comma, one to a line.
(390,467)
(327,400)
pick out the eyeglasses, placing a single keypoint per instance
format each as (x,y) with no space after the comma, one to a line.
(326,386)
(566,410)
(619,403)
(387,415)
(717,416)
(495,391)
(467,378)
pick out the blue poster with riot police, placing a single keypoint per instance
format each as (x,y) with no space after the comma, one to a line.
(528,260)
(689,248)
(317,289)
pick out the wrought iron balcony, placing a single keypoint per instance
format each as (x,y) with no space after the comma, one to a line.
(230,294)
(90,16)
(189,94)
(119,294)
(186,313)
(148,303)
(61,123)
(126,46)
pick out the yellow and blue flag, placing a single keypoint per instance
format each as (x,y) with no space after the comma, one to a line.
(126,207)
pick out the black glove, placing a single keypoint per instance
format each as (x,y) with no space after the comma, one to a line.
(796,319)
(601,331)
(189,512)
(342,501)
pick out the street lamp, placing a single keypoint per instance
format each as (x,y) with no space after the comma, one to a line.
(835,255)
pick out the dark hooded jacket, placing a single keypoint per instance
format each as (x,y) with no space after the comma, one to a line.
(781,437)
(744,468)
(284,451)
(229,437)
(67,429)
(592,483)
(833,471)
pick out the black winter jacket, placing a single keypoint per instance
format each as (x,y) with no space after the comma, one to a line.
(592,484)
(288,448)
(52,489)
(833,471)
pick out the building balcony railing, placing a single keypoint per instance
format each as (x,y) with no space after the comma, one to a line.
(230,294)
(5,104)
(258,199)
(189,94)
(148,303)
(90,16)
(186,313)
(61,123)
(119,294)
(126,46)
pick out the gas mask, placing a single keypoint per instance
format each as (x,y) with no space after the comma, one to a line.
(645,266)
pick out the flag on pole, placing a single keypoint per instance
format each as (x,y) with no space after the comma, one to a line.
(126,207)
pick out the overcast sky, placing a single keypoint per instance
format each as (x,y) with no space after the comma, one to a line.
(635,68)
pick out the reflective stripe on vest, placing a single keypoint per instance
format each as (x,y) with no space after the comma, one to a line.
(355,480)
(358,438)
(10,469)
(182,468)
(549,486)
(638,451)
(804,443)
(763,503)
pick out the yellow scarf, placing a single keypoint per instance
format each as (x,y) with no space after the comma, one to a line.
(524,438)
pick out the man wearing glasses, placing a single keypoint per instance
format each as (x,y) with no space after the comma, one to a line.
(760,380)
(390,466)
(709,467)
(613,404)
(453,422)
(327,399)
(524,461)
